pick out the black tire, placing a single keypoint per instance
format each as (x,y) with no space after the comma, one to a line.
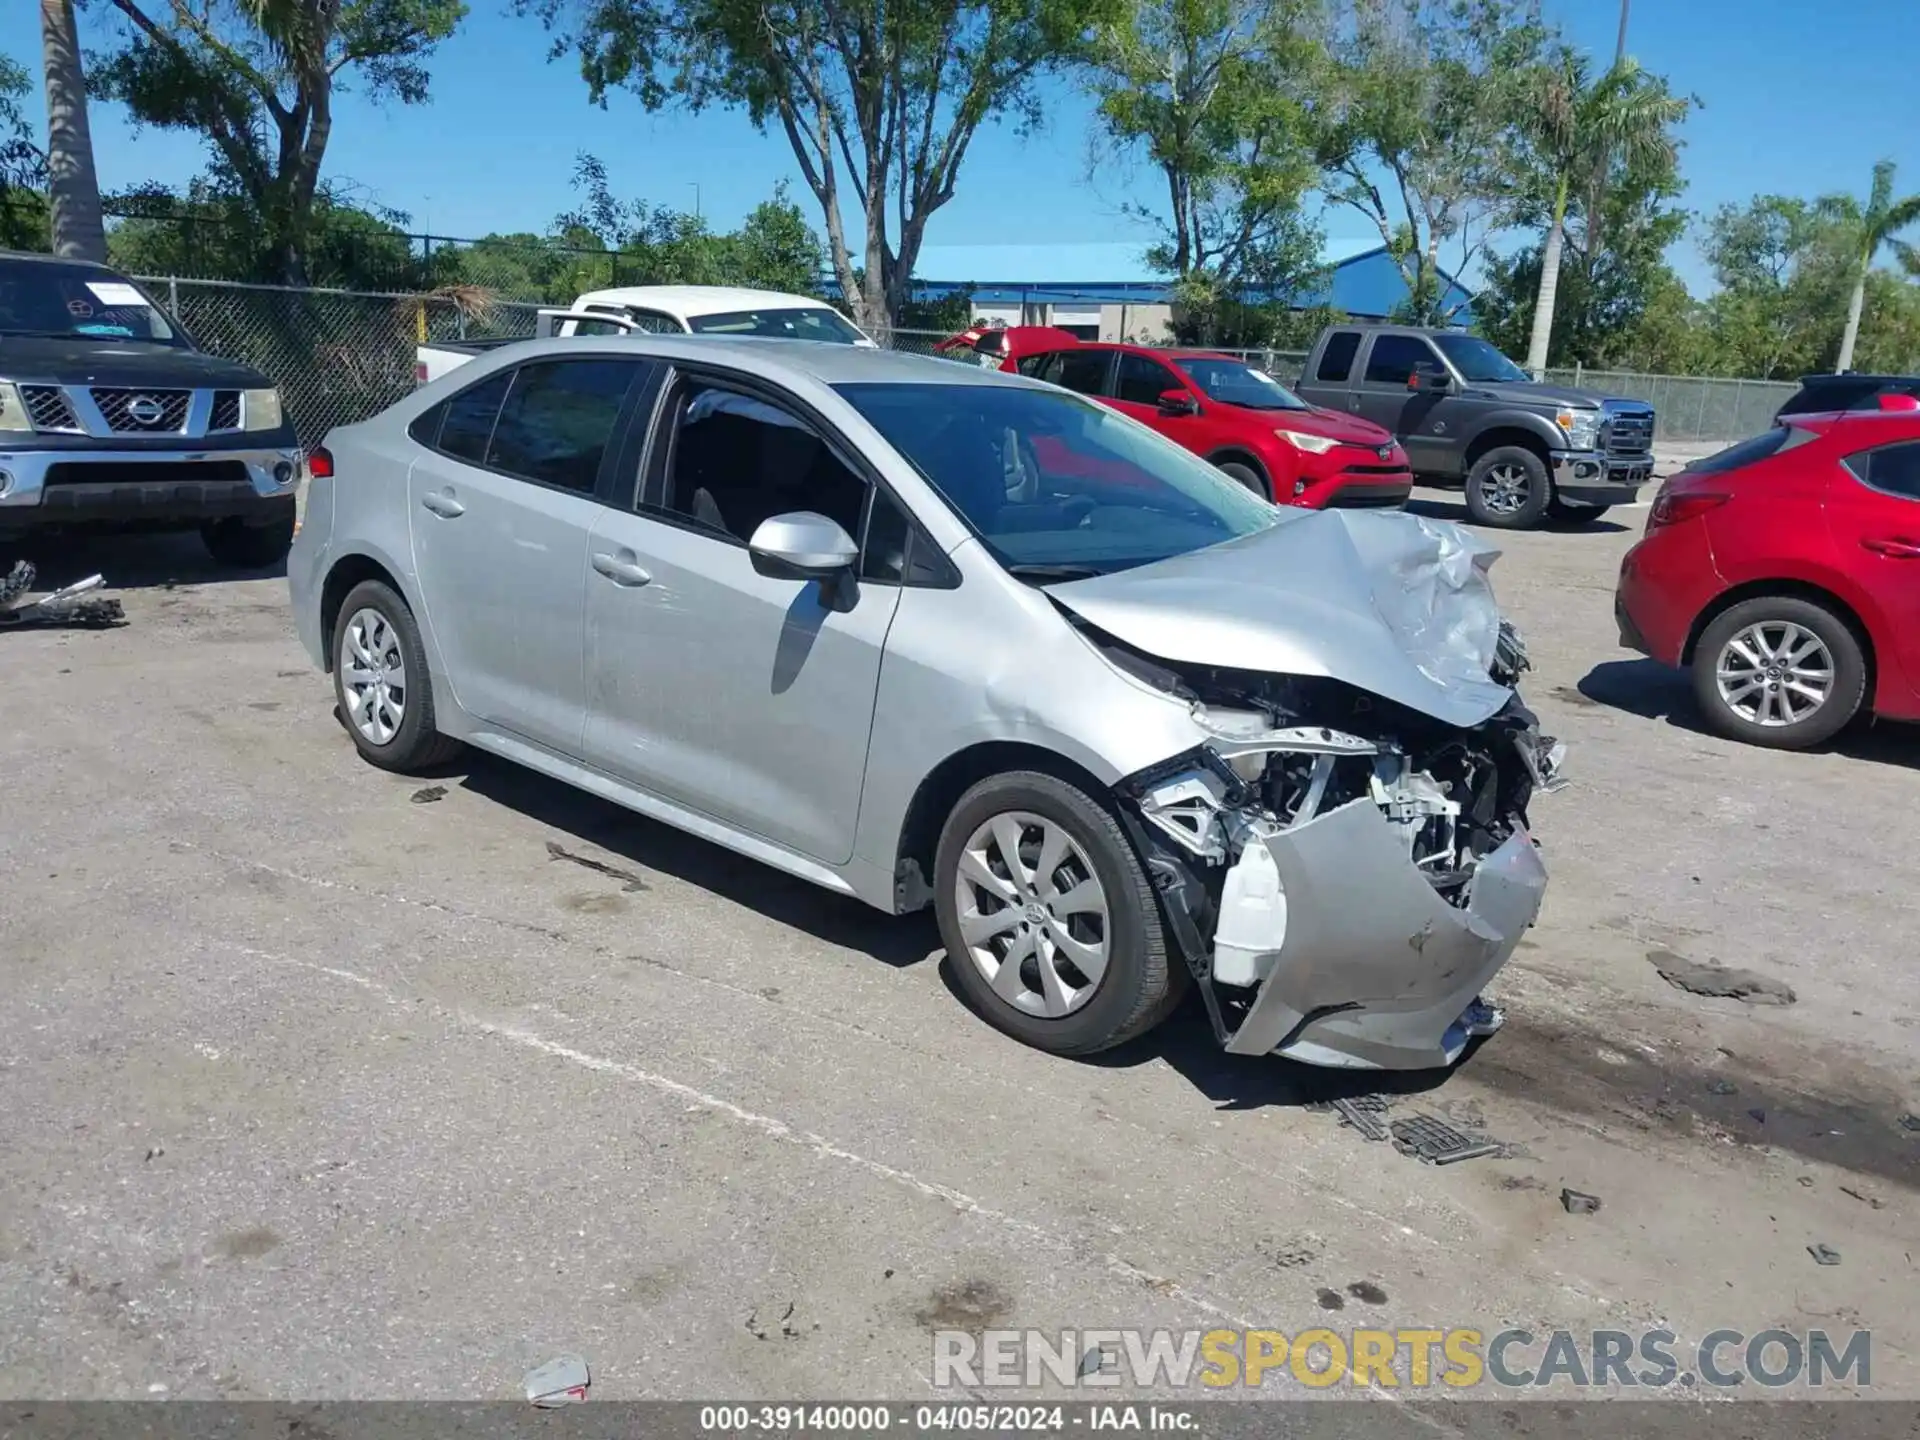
(248,547)
(1484,507)
(1849,666)
(1567,512)
(415,745)
(1245,475)
(1139,987)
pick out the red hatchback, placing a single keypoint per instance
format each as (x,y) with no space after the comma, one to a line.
(1243,420)
(1785,572)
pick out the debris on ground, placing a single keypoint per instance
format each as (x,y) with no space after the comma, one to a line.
(75,604)
(1910,1121)
(633,881)
(1698,977)
(1578,1202)
(788,1329)
(1722,1087)
(1863,1197)
(1824,1254)
(1757,1115)
(428,794)
(1365,1113)
(1435,1142)
(561,1381)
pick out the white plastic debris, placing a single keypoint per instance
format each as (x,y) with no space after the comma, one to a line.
(561,1381)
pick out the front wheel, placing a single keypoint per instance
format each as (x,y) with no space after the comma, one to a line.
(1508,488)
(1049,918)
(1779,671)
(1245,475)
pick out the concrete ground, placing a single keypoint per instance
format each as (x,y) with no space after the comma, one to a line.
(309,1090)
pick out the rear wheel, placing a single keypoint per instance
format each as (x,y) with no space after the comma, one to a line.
(380,677)
(1508,488)
(1052,926)
(1779,671)
(1245,475)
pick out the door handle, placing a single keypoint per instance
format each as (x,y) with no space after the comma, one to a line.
(1893,549)
(620,570)
(442,503)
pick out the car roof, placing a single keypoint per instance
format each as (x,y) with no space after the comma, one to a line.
(685,302)
(821,361)
(1903,424)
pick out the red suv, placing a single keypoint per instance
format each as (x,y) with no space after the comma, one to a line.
(1243,420)
(1785,572)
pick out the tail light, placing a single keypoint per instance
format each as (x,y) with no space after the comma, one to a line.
(1671,507)
(419,372)
(320,464)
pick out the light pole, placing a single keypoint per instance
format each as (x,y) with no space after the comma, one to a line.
(696,198)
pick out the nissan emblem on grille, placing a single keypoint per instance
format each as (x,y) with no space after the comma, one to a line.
(145,410)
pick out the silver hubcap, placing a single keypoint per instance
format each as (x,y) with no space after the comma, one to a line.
(373,673)
(1503,490)
(1774,673)
(1033,914)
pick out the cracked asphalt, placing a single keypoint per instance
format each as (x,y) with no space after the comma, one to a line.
(310,1089)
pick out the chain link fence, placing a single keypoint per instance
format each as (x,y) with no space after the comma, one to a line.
(340,356)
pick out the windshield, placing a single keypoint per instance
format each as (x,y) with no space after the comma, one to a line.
(812,323)
(1232,382)
(78,302)
(1058,487)
(1477,361)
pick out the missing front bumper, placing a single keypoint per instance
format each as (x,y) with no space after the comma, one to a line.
(1373,969)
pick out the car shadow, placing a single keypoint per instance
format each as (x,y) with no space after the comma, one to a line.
(134,561)
(1651,691)
(651,846)
(1456,511)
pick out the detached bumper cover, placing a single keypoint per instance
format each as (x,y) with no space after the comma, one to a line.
(1375,970)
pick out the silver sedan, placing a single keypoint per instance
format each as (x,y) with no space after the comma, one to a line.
(928,634)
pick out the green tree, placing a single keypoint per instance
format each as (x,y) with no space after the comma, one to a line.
(23,169)
(1220,97)
(878,102)
(1422,139)
(1578,125)
(73,191)
(1870,230)
(1783,274)
(258,79)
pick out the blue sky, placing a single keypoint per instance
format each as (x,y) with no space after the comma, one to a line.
(1799,98)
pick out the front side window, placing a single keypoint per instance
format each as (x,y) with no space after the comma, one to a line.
(736,461)
(1478,362)
(1232,382)
(1395,357)
(77,302)
(1892,469)
(1142,380)
(1057,486)
(558,419)
(815,322)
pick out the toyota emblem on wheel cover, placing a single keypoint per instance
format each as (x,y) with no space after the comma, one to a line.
(145,410)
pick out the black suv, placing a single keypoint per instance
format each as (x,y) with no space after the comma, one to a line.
(1819,394)
(112,418)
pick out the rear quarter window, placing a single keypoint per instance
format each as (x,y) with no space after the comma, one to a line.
(1891,469)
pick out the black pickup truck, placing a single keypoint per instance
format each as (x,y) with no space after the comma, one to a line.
(112,418)
(1469,417)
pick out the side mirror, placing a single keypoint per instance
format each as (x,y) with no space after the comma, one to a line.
(801,545)
(1178,402)
(1429,378)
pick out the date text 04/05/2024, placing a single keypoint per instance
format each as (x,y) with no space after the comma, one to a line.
(974,1418)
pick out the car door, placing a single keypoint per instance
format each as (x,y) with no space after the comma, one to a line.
(745,697)
(501,502)
(1421,419)
(1873,515)
(1137,384)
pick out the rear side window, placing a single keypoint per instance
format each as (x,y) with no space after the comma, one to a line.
(1894,469)
(1035,363)
(1142,381)
(470,416)
(1336,361)
(558,419)
(1082,371)
(1394,358)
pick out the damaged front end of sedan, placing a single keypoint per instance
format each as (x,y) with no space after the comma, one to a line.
(1344,859)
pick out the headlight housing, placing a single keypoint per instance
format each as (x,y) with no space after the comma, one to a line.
(260,409)
(1311,444)
(13,413)
(1581,427)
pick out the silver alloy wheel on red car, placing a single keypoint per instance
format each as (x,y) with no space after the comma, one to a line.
(1774,673)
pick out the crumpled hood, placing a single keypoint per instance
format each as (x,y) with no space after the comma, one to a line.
(1398,605)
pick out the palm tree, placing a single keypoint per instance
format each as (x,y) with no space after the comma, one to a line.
(1579,124)
(1879,224)
(72,187)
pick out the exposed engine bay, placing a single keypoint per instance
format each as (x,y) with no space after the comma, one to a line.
(1360,867)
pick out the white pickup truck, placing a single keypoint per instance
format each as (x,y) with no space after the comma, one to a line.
(664,309)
